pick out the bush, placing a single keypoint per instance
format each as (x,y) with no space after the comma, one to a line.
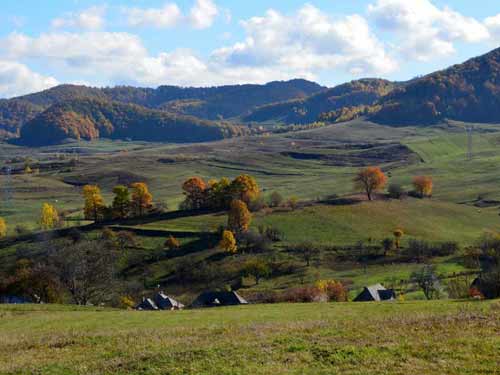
(396,191)
(276,199)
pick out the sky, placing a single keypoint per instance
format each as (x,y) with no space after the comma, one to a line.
(149,43)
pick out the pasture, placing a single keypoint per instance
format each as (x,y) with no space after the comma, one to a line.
(438,337)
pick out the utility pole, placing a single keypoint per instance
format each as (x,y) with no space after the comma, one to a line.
(468,130)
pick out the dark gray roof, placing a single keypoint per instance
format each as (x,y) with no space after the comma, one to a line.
(165,302)
(375,292)
(213,299)
(147,304)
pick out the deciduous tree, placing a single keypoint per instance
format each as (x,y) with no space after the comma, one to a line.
(49,218)
(172,243)
(398,234)
(142,199)
(245,188)
(370,179)
(3,228)
(423,185)
(94,204)
(256,268)
(239,218)
(228,242)
(121,202)
(195,192)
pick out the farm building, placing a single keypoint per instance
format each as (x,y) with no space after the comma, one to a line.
(165,302)
(375,293)
(159,302)
(214,299)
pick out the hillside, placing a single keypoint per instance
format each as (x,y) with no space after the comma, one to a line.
(466,92)
(302,111)
(212,103)
(91,119)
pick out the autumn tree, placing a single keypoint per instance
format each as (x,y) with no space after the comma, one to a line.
(398,234)
(245,188)
(307,251)
(94,204)
(49,218)
(195,191)
(370,179)
(142,199)
(219,193)
(423,185)
(228,242)
(239,218)
(121,202)
(3,228)
(172,243)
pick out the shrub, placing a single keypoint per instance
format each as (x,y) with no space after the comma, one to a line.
(276,199)
(396,191)
(334,290)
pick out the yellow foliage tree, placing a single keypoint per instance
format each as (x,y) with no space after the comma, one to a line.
(228,242)
(49,217)
(142,199)
(94,204)
(398,234)
(245,188)
(239,218)
(3,228)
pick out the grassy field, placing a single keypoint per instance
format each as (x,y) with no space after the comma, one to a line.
(439,337)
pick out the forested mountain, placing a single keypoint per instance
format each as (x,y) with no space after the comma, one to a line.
(302,111)
(467,92)
(213,103)
(87,118)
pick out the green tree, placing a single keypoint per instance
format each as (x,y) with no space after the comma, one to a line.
(256,268)
(121,202)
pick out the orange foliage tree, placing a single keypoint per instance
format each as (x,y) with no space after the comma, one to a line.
(228,242)
(239,218)
(194,190)
(370,179)
(423,185)
(141,198)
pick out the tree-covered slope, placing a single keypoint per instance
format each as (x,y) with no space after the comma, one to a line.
(467,92)
(94,118)
(302,111)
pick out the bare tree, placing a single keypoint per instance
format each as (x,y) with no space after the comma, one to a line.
(86,269)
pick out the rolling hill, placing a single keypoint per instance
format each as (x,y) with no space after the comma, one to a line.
(467,92)
(303,111)
(213,103)
(91,119)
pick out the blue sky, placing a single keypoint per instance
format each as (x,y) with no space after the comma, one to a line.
(214,42)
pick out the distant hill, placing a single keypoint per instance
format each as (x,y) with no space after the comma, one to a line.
(302,111)
(89,119)
(212,103)
(467,92)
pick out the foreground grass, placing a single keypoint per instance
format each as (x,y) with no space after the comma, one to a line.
(444,337)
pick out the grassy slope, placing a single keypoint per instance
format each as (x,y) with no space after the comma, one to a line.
(395,338)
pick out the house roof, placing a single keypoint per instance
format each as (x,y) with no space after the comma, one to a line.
(212,299)
(147,304)
(164,302)
(375,292)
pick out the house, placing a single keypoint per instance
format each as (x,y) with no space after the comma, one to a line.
(375,293)
(164,302)
(215,299)
(14,300)
(147,304)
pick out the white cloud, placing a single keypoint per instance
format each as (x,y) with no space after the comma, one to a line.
(424,30)
(203,13)
(167,16)
(307,42)
(493,25)
(17,79)
(89,19)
